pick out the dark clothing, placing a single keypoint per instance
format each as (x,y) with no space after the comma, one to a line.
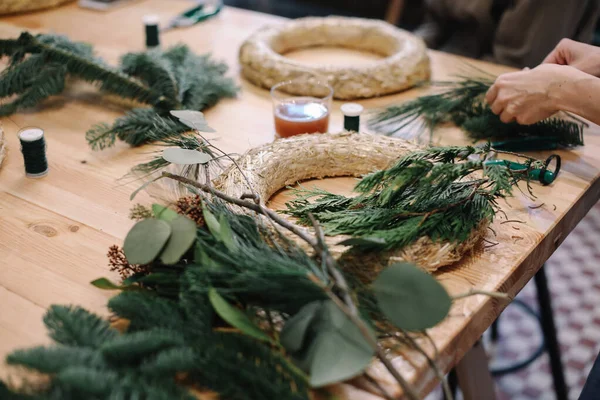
(512,32)
(591,390)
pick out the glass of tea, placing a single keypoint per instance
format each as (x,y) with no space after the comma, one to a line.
(296,114)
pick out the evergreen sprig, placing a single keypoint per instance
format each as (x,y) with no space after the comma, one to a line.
(163,80)
(439,193)
(462,103)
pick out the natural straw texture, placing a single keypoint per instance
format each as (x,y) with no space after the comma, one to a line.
(17,6)
(406,63)
(285,162)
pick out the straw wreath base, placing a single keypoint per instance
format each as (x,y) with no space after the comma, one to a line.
(284,162)
(17,6)
(405,62)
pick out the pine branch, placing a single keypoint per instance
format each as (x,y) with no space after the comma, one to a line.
(462,102)
(426,193)
(138,126)
(74,326)
(174,79)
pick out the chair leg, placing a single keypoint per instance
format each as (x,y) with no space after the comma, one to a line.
(550,337)
(495,333)
(452,383)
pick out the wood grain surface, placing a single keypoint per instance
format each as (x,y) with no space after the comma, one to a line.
(55,231)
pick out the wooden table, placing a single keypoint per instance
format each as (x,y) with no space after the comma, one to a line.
(55,231)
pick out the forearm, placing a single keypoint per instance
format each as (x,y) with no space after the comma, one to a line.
(581,96)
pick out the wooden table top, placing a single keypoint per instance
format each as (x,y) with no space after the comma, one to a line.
(55,231)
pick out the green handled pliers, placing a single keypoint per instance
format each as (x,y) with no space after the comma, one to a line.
(194,15)
(543,175)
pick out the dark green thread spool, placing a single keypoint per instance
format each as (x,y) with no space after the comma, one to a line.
(352,113)
(33,147)
(151,24)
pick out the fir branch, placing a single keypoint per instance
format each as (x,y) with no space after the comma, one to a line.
(74,326)
(174,79)
(51,360)
(137,127)
(426,193)
(462,102)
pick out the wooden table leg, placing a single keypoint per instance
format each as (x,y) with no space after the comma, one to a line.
(474,378)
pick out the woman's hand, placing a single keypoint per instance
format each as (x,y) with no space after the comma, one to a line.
(582,56)
(531,95)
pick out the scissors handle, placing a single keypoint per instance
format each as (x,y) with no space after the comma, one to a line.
(542,175)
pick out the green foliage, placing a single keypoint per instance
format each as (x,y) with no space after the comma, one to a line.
(426,193)
(183,235)
(145,240)
(173,79)
(138,126)
(235,317)
(181,316)
(462,102)
(74,326)
(327,343)
(410,298)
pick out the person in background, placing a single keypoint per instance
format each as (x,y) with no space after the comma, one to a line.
(567,80)
(518,33)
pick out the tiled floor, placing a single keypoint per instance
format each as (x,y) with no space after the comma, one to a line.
(574,279)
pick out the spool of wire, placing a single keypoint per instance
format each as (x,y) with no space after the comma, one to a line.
(33,147)
(151,26)
(352,113)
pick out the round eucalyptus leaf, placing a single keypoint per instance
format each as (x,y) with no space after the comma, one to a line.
(183,235)
(235,317)
(145,240)
(177,155)
(193,119)
(295,329)
(164,213)
(339,350)
(411,299)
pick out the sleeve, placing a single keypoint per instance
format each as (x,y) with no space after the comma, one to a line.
(527,32)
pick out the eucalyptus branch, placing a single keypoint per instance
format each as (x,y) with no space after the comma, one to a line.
(246,204)
(430,361)
(474,292)
(348,308)
(379,351)
(378,386)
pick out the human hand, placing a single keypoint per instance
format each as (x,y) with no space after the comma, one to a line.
(579,55)
(529,96)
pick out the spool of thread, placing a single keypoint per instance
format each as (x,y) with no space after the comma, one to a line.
(352,113)
(151,24)
(33,147)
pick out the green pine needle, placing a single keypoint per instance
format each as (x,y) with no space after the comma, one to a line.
(435,193)
(174,79)
(462,102)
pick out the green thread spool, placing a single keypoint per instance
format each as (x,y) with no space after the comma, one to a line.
(352,113)
(151,24)
(33,147)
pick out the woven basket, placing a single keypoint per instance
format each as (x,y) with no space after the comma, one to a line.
(18,6)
